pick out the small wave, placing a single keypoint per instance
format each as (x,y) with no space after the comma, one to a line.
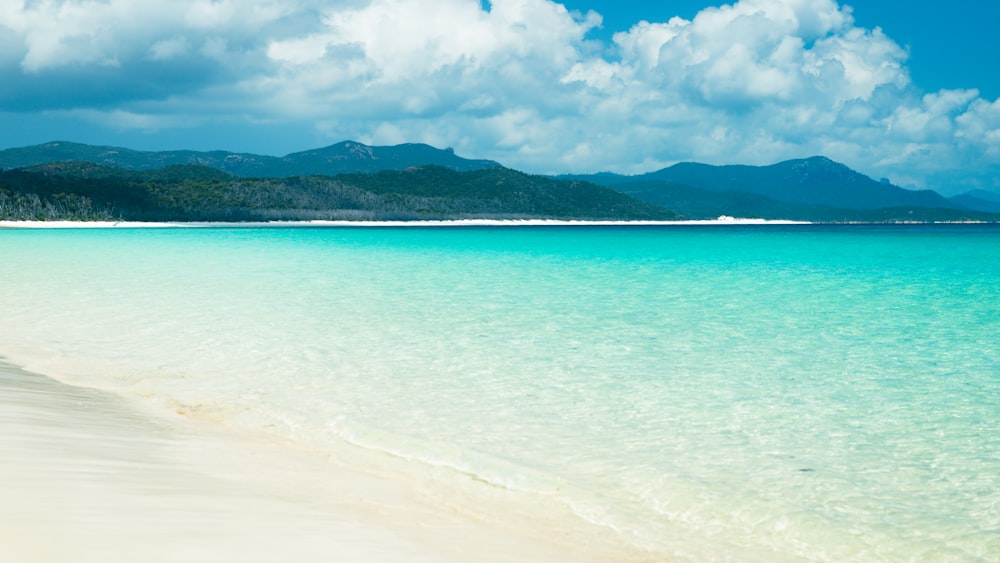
(486,469)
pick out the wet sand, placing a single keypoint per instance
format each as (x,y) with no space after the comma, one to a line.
(91,476)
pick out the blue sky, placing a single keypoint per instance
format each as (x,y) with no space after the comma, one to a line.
(899,89)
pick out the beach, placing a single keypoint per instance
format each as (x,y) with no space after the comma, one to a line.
(443,223)
(746,393)
(92,476)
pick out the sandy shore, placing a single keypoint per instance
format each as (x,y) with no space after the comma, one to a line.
(455,223)
(91,476)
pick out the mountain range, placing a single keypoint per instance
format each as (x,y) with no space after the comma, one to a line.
(816,188)
(341,158)
(77,190)
(811,189)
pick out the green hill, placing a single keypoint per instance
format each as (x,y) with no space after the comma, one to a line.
(813,189)
(811,181)
(75,190)
(697,203)
(413,181)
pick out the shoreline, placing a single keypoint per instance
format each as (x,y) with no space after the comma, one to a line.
(429,223)
(453,223)
(117,478)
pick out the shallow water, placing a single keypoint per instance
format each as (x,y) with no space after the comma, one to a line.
(740,392)
(90,476)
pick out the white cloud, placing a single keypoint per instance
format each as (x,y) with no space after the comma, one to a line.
(66,33)
(61,33)
(755,81)
(130,120)
(169,48)
(981,123)
(933,119)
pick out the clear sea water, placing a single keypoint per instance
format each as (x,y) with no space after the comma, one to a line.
(747,393)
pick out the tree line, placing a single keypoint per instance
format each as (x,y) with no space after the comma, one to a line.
(85,191)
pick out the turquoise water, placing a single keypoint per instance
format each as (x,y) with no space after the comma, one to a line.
(713,393)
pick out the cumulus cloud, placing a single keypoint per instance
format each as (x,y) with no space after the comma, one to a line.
(520,81)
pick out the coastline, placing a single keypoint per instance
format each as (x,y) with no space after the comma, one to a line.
(441,223)
(457,366)
(119,479)
(118,475)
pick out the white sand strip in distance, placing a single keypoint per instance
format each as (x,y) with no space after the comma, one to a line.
(724,220)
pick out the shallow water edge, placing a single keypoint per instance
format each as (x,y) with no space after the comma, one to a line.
(120,480)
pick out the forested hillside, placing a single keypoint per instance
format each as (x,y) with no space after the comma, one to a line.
(815,189)
(85,191)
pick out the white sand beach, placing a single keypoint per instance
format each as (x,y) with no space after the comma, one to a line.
(724,220)
(89,476)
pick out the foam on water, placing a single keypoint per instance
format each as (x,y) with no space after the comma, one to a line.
(763,393)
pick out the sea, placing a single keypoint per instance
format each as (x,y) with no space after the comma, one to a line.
(702,393)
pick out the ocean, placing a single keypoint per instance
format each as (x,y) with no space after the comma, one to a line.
(704,393)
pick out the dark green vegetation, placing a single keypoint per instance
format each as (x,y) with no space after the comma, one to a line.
(813,189)
(85,191)
(349,180)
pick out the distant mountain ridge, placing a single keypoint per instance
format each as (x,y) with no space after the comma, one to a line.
(809,189)
(979,199)
(811,181)
(341,158)
(814,188)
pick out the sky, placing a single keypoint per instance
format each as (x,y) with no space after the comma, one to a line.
(905,90)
